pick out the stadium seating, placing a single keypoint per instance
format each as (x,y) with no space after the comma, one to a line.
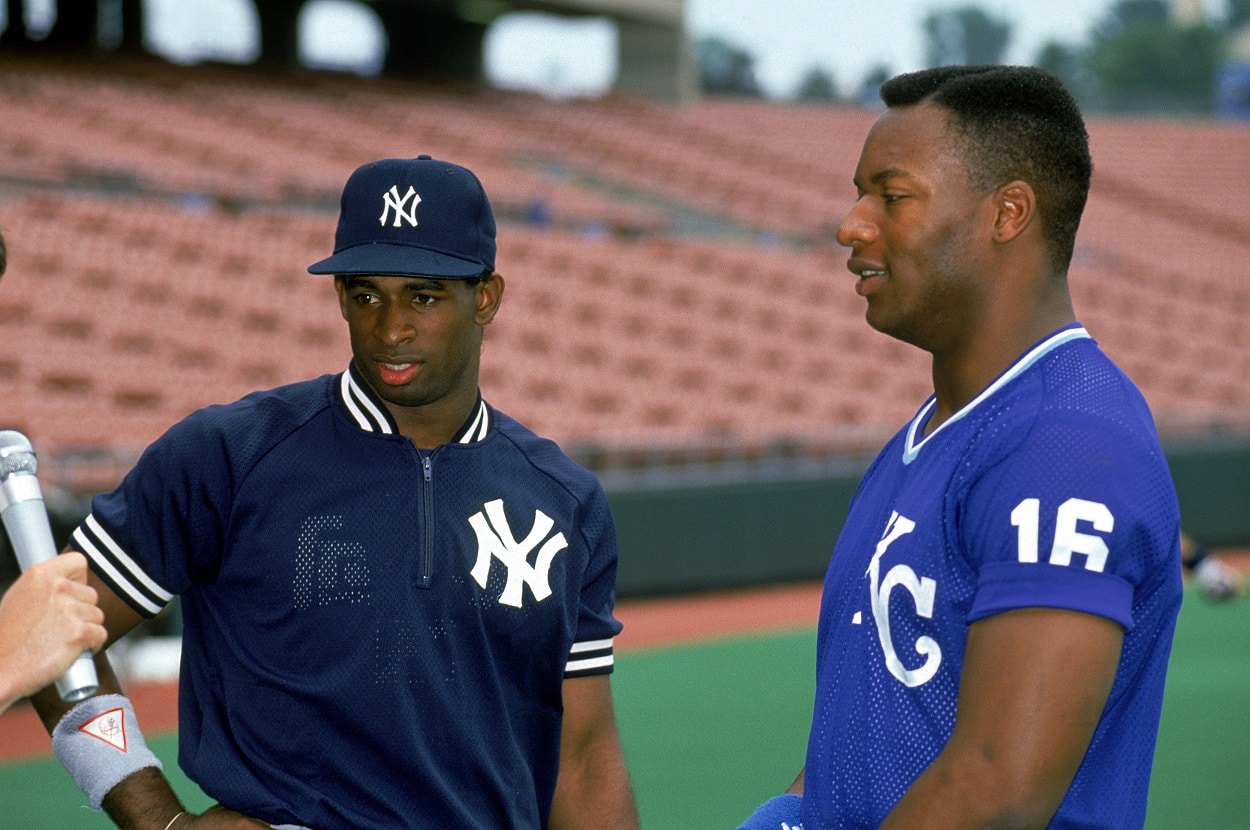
(674,288)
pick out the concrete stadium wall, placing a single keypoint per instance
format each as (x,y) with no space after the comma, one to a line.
(758,529)
(1212,479)
(693,537)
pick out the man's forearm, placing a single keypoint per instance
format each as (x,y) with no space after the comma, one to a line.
(595,792)
(604,801)
(49,706)
(142,801)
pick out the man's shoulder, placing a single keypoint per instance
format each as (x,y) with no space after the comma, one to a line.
(1081,384)
(1074,409)
(544,454)
(297,400)
(1074,417)
(257,420)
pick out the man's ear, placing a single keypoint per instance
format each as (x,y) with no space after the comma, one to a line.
(489,296)
(1015,208)
(340,288)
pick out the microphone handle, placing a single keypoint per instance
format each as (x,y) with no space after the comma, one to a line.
(29,531)
(80,680)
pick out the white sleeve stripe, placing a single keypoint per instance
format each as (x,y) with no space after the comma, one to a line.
(591,645)
(592,663)
(122,558)
(115,575)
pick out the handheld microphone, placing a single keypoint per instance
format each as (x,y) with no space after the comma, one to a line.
(26,520)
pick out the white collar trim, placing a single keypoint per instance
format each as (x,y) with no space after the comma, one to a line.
(371,417)
(368,415)
(911,447)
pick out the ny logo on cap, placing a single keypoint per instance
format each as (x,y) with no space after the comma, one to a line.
(394,200)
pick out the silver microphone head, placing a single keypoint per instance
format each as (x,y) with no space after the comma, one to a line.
(17,454)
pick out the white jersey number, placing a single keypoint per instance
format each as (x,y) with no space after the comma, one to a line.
(1068,540)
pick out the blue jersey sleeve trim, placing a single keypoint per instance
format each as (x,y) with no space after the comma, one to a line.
(1005,586)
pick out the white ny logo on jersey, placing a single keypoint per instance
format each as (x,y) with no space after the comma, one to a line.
(922,592)
(495,541)
(393,201)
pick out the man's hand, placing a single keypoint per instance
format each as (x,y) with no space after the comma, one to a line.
(218,818)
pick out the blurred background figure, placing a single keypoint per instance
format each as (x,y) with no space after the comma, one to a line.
(1216,579)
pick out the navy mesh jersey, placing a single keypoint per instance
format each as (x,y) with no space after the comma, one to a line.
(1048,490)
(375,636)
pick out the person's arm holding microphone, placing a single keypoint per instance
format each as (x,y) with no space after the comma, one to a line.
(48,618)
(49,621)
(25,519)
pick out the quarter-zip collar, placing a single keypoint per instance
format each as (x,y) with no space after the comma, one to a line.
(369,413)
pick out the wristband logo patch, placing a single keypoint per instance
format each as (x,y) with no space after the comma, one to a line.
(109,727)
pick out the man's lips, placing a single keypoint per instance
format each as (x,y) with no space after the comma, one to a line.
(870,275)
(397,374)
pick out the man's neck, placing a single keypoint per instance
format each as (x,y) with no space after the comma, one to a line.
(962,372)
(436,423)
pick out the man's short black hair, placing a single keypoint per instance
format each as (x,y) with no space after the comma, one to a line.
(1015,122)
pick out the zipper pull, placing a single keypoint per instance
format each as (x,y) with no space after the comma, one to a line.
(426,467)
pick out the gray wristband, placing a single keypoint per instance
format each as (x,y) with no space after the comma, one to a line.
(99,743)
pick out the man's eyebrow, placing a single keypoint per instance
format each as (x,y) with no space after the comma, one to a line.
(884,176)
(413,284)
(424,284)
(880,178)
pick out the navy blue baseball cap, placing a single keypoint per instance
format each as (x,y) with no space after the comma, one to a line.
(413,217)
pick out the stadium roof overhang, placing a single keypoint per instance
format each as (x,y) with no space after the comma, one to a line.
(659,11)
(484,11)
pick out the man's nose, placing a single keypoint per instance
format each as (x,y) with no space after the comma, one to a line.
(856,228)
(397,324)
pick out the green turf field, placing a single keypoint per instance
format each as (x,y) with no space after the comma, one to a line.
(711,730)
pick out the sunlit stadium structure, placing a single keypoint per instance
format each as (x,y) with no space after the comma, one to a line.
(426,39)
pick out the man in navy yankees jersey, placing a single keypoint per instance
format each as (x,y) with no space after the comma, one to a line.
(998,611)
(397,601)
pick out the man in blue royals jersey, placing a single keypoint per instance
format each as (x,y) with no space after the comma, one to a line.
(397,601)
(998,612)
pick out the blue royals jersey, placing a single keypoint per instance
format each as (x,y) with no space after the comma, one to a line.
(1048,490)
(375,636)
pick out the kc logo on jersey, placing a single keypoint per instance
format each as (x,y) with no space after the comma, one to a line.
(923,591)
(405,210)
(495,541)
